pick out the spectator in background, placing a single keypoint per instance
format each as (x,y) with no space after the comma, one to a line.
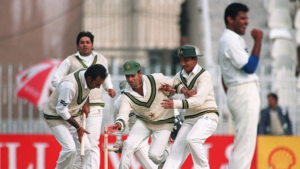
(274,119)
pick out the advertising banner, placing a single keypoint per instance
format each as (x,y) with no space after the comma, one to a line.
(41,152)
(278,152)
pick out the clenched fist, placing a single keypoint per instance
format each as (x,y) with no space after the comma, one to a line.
(256,34)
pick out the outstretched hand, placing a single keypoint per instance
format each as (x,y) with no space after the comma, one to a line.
(166,88)
(111,93)
(113,128)
(167,104)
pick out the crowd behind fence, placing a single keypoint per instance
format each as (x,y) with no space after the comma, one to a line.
(17,116)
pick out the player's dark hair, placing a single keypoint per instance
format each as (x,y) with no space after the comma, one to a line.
(233,9)
(82,34)
(96,70)
(273,95)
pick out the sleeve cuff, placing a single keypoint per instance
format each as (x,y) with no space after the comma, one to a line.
(181,104)
(122,123)
(177,104)
(109,87)
(65,116)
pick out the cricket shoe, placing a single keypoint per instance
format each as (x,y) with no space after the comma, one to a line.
(161,165)
(177,126)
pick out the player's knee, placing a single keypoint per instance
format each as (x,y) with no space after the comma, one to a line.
(87,149)
(128,147)
(192,140)
(71,151)
(156,157)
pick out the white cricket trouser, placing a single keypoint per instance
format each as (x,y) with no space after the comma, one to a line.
(68,139)
(93,126)
(138,134)
(190,139)
(244,105)
(141,152)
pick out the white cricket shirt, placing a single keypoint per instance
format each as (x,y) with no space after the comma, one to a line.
(233,55)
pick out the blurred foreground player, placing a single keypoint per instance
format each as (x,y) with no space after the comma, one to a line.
(240,82)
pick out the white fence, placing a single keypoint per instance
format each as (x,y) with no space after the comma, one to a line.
(19,116)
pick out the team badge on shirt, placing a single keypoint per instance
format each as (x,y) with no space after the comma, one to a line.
(152,115)
(246,50)
(63,103)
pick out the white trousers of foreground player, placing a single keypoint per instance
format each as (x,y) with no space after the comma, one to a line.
(190,139)
(138,134)
(244,105)
(93,126)
(68,139)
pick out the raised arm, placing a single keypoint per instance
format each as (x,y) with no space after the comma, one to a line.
(253,60)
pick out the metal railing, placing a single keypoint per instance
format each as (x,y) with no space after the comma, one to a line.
(19,116)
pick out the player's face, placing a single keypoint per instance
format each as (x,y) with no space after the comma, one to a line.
(85,46)
(96,83)
(239,23)
(134,80)
(188,63)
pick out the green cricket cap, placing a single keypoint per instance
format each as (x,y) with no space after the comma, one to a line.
(122,85)
(187,51)
(131,68)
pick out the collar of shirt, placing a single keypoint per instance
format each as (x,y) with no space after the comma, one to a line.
(133,93)
(232,33)
(92,54)
(194,71)
(84,81)
(87,59)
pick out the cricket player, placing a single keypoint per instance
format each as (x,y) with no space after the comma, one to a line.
(63,110)
(83,58)
(201,117)
(240,82)
(143,97)
(141,152)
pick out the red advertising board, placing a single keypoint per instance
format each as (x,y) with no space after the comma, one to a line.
(41,151)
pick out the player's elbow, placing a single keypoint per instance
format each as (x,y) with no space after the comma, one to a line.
(251,66)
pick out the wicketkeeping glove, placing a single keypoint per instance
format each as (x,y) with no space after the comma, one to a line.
(118,144)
